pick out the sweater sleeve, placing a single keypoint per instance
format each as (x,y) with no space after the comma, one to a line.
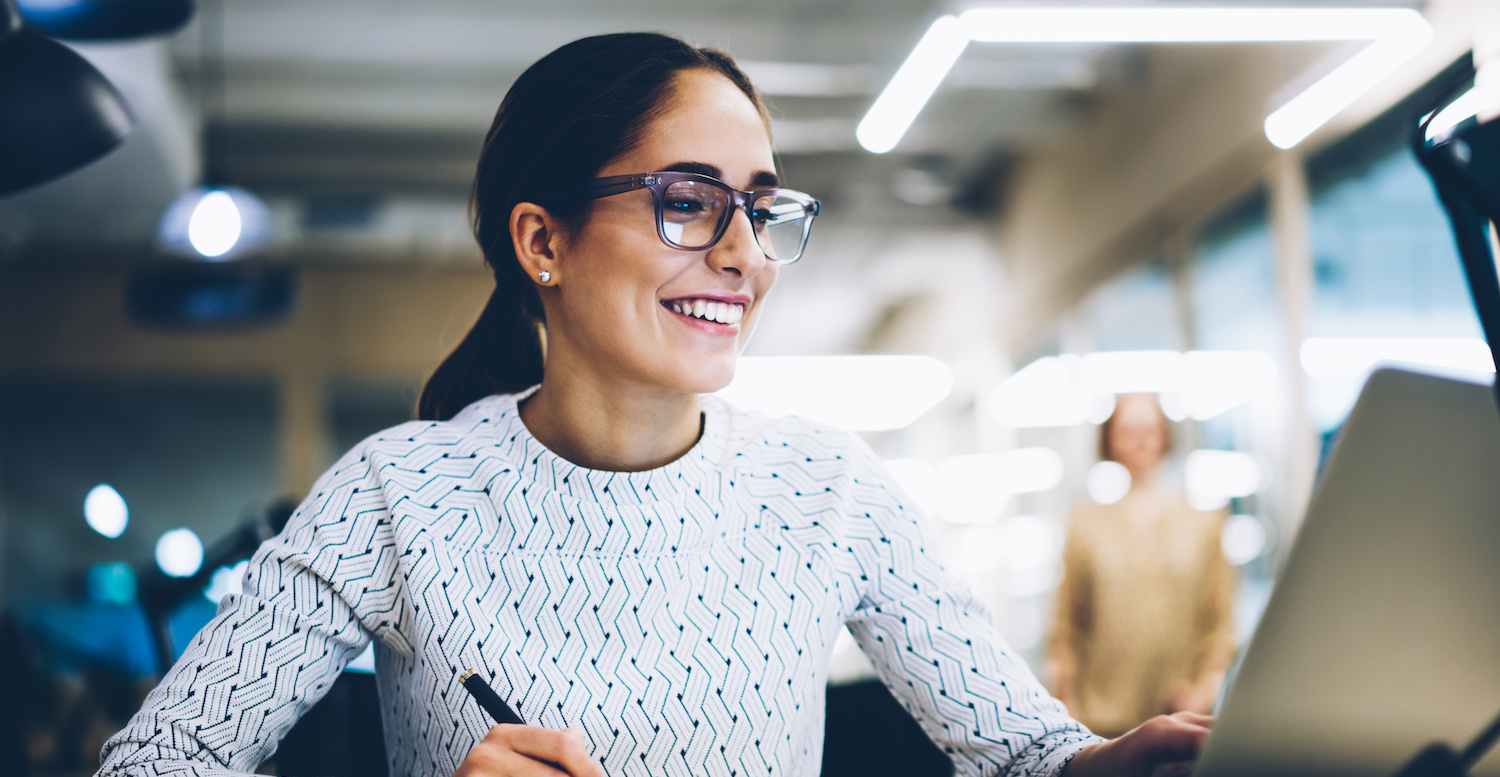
(271,652)
(934,645)
(1072,607)
(1216,608)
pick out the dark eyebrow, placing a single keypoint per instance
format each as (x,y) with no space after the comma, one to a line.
(762,180)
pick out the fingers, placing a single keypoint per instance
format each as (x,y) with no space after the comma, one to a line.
(1194,718)
(529,751)
(566,749)
(1163,746)
(1165,738)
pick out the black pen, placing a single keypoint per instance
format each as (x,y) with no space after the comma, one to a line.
(488,699)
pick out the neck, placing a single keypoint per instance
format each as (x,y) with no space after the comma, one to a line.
(1143,479)
(614,427)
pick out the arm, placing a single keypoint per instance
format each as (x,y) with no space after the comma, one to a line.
(1216,646)
(1070,618)
(935,647)
(273,651)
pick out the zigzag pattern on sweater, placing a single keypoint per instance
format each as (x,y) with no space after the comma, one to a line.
(681,618)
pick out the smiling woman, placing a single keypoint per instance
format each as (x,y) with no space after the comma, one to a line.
(648,576)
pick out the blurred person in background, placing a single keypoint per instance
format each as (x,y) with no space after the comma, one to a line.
(1143,622)
(652,578)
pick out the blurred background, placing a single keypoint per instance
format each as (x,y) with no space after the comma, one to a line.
(1066,220)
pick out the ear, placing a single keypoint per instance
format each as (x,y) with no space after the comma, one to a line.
(537,240)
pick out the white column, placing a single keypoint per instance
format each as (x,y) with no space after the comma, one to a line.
(1286,183)
(1180,256)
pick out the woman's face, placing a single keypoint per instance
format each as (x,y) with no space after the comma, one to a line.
(1138,434)
(613,310)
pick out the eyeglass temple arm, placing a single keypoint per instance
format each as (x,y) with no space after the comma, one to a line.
(598,187)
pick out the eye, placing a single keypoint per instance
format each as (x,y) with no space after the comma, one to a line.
(688,201)
(684,203)
(776,210)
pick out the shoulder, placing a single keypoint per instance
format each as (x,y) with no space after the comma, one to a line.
(481,421)
(476,427)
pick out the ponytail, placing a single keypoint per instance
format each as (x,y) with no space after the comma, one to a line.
(501,354)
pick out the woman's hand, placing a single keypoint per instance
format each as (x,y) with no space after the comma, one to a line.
(1198,696)
(1165,744)
(529,751)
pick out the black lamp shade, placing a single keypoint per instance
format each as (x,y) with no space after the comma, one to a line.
(57,113)
(106,19)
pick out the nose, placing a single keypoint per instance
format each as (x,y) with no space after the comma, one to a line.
(738,251)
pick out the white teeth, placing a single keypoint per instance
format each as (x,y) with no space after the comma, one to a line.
(709,310)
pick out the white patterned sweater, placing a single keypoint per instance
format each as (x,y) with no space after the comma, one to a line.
(682,618)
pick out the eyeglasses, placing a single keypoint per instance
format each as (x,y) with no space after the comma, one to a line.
(693,211)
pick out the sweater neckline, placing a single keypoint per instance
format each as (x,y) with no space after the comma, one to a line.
(538,465)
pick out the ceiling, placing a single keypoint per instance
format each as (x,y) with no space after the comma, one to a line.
(378,101)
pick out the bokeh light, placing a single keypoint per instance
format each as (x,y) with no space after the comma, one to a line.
(179,553)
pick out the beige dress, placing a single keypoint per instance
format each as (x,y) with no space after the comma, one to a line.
(1144,607)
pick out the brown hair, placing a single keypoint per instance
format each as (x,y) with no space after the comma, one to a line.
(563,120)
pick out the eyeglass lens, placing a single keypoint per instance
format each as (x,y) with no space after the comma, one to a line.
(692,211)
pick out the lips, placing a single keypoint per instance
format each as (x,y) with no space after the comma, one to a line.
(706,309)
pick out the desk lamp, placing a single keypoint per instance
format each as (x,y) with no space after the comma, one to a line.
(106,20)
(57,113)
(1458,143)
(1461,154)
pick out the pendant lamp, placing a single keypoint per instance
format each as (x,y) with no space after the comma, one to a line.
(103,20)
(213,221)
(57,113)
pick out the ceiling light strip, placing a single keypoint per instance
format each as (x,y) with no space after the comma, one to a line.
(1398,34)
(897,106)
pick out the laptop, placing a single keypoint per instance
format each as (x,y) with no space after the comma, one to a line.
(1382,634)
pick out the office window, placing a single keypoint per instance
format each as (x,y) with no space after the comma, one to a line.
(1235,304)
(1136,311)
(1384,259)
(1234,280)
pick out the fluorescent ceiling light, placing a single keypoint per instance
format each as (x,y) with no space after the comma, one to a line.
(1129,372)
(1070,389)
(912,85)
(1397,35)
(1212,478)
(1305,113)
(1347,357)
(1180,25)
(858,393)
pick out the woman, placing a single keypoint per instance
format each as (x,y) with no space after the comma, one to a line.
(653,579)
(1144,614)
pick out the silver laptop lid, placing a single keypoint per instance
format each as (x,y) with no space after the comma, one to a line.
(1383,631)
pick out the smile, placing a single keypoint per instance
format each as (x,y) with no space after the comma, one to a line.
(707,310)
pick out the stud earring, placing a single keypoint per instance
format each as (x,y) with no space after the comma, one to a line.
(544,276)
